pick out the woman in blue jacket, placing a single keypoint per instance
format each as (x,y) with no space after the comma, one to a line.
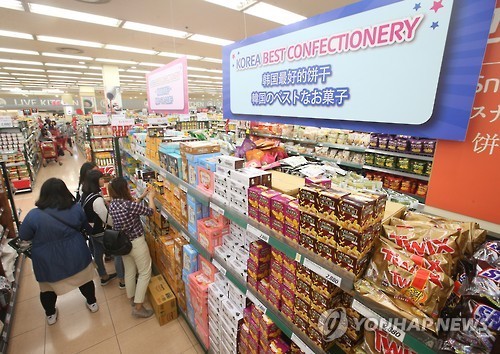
(61,258)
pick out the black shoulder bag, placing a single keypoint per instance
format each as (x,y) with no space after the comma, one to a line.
(116,242)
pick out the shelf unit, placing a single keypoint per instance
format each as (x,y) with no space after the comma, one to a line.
(356,166)
(420,341)
(9,222)
(100,135)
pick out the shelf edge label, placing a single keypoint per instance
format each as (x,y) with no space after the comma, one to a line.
(217,208)
(303,346)
(184,189)
(380,321)
(332,278)
(256,302)
(186,237)
(260,235)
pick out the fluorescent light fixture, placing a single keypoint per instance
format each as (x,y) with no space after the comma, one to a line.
(210,40)
(138,71)
(93,74)
(62,80)
(69,41)
(152,64)
(90,79)
(237,5)
(95,67)
(154,29)
(22,69)
(105,60)
(130,49)
(66,56)
(12,5)
(24,62)
(18,51)
(73,15)
(66,65)
(29,75)
(126,80)
(205,77)
(31,79)
(64,72)
(132,76)
(176,55)
(273,13)
(62,77)
(15,34)
(213,60)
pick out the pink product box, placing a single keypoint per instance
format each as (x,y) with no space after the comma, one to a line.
(265,220)
(205,180)
(279,204)
(257,270)
(206,267)
(288,296)
(292,214)
(278,226)
(289,279)
(274,299)
(275,285)
(276,268)
(319,182)
(253,213)
(263,287)
(260,251)
(265,199)
(254,195)
(292,233)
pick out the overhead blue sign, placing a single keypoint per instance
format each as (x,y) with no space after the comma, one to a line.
(392,66)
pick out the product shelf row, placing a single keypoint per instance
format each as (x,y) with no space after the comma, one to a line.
(335,274)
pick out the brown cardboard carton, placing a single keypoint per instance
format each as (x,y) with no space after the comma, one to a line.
(162,299)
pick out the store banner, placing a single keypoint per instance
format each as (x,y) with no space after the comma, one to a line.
(167,88)
(465,174)
(389,66)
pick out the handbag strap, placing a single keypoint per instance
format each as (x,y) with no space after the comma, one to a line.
(90,197)
(61,221)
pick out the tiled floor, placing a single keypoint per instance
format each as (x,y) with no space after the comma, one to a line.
(110,330)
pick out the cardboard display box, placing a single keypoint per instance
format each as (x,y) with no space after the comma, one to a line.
(286,184)
(162,300)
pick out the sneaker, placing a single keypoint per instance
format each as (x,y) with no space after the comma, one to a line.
(52,318)
(121,285)
(110,277)
(92,307)
(142,313)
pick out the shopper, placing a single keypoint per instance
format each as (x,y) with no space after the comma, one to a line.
(86,167)
(45,135)
(61,258)
(68,132)
(97,215)
(126,216)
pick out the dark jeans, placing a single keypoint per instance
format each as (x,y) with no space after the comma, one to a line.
(49,298)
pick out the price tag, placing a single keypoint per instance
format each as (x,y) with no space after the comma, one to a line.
(202,116)
(217,208)
(256,302)
(254,231)
(186,237)
(119,120)
(301,344)
(332,278)
(184,117)
(381,322)
(158,120)
(219,266)
(100,119)
(185,190)
(164,214)
(6,122)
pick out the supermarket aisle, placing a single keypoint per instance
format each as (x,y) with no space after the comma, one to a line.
(110,330)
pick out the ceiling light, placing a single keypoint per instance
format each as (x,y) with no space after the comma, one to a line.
(12,4)
(90,79)
(66,65)
(210,40)
(176,55)
(273,13)
(25,62)
(62,77)
(130,49)
(154,29)
(237,5)
(18,51)
(64,72)
(152,64)
(69,41)
(81,62)
(105,60)
(93,74)
(206,77)
(73,15)
(132,76)
(139,71)
(66,56)
(95,67)
(34,75)
(213,60)
(22,69)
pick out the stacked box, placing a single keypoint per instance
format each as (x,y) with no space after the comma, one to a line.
(206,170)
(211,232)
(254,193)
(198,289)
(258,265)
(196,211)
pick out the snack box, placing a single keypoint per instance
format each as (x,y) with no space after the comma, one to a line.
(356,212)
(353,264)
(354,242)
(196,211)
(308,198)
(247,176)
(254,193)
(292,214)
(279,205)
(231,162)
(206,180)
(322,182)
(174,164)
(190,259)
(265,201)
(308,224)
(199,147)
(327,231)
(329,201)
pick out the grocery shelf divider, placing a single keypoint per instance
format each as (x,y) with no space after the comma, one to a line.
(396,172)
(400,154)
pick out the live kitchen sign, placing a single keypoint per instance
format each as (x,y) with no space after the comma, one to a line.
(16,103)
(393,66)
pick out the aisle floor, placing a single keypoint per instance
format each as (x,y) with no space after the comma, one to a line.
(110,330)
